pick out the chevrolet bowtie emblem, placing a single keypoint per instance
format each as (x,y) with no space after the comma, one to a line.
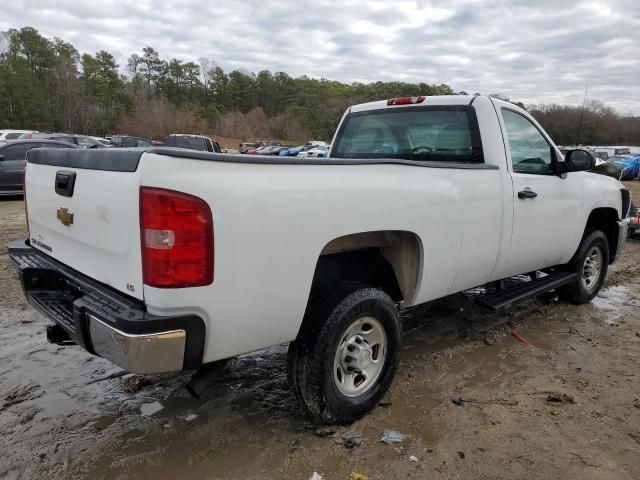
(65,217)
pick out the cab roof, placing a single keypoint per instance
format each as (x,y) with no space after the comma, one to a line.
(431,100)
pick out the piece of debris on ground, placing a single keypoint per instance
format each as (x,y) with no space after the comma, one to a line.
(391,436)
(560,398)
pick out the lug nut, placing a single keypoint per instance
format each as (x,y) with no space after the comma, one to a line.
(347,359)
(351,348)
(358,340)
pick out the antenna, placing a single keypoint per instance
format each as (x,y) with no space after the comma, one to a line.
(584,101)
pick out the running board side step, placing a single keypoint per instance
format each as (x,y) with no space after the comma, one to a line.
(520,292)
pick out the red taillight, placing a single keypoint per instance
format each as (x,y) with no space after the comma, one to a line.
(176,231)
(405,100)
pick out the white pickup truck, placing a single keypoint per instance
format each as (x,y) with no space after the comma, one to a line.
(166,259)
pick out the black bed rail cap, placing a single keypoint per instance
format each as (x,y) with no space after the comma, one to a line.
(108,159)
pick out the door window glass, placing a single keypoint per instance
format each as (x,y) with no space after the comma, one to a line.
(530,151)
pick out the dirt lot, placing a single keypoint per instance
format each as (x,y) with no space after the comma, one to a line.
(472,400)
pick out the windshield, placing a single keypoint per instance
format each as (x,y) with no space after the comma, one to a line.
(432,134)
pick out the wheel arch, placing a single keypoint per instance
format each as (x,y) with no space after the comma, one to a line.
(604,219)
(387,259)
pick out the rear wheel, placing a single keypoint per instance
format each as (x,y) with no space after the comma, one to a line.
(346,355)
(591,261)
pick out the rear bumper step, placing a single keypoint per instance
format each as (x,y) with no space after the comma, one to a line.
(103,321)
(520,292)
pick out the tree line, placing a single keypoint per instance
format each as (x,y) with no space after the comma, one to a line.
(46,84)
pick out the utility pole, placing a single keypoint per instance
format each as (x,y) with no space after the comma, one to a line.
(584,101)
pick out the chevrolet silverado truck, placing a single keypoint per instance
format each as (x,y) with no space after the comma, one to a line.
(167,259)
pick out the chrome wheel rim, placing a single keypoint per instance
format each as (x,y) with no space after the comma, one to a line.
(360,357)
(592,268)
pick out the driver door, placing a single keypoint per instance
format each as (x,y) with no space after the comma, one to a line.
(545,206)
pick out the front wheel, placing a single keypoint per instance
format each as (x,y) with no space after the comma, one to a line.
(346,355)
(591,261)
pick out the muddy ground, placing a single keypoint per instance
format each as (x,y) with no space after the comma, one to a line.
(472,400)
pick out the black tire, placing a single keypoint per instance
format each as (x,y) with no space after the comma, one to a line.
(580,291)
(312,355)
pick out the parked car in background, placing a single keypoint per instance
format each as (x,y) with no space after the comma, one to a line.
(601,155)
(634,221)
(270,150)
(12,162)
(292,152)
(244,147)
(105,141)
(122,141)
(629,166)
(611,151)
(83,141)
(192,142)
(280,148)
(295,151)
(15,134)
(316,152)
(315,143)
(259,150)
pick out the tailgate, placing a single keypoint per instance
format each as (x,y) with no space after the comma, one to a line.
(83,211)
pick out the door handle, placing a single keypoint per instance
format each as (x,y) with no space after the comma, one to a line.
(526,193)
(64,183)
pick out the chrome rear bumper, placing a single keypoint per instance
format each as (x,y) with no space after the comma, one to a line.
(106,322)
(139,353)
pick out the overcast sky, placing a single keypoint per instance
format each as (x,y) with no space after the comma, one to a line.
(532,51)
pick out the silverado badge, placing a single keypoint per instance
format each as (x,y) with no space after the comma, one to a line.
(65,217)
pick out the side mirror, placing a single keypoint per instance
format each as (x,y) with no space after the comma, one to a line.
(579,160)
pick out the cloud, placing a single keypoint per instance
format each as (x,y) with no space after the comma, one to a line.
(532,51)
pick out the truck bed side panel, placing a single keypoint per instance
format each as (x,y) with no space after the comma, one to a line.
(272,221)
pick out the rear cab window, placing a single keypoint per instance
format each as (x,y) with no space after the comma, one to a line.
(424,133)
